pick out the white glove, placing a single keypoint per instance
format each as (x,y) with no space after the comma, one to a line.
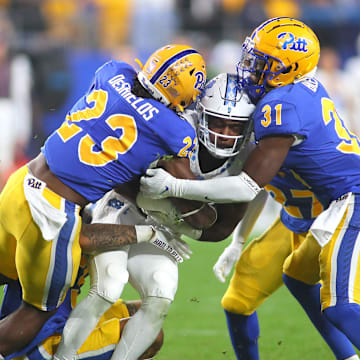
(158,184)
(175,246)
(226,261)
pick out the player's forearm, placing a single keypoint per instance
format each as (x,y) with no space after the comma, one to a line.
(105,237)
(197,214)
(240,188)
(229,216)
(255,207)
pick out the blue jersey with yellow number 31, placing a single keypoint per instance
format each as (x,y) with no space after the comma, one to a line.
(327,160)
(111,136)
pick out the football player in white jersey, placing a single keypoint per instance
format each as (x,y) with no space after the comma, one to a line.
(223,130)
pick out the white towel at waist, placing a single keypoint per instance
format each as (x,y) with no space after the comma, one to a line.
(326,223)
(49,219)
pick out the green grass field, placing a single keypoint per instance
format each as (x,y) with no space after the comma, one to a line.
(195,328)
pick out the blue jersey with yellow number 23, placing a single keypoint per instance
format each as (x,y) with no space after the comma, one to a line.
(111,136)
(327,160)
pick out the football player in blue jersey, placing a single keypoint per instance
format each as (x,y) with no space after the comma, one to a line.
(123,123)
(101,342)
(296,126)
(258,271)
(154,272)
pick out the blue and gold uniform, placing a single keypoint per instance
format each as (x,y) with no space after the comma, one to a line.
(326,156)
(258,273)
(277,68)
(109,137)
(101,341)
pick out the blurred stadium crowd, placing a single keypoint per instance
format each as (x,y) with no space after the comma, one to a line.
(49,50)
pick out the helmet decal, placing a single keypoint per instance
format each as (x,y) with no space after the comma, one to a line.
(291,43)
(231,92)
(200,80)
(169,62)
(175,75)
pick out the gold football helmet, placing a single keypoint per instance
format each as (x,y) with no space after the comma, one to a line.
(278,52)
(174,75)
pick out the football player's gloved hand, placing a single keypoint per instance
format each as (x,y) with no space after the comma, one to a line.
(170,243)
(158,184)
(226,261)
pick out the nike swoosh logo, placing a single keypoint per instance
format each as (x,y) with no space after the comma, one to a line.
(166,189)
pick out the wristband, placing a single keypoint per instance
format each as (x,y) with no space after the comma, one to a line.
(144,233)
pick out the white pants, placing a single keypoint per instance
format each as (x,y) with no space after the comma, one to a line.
(151,271)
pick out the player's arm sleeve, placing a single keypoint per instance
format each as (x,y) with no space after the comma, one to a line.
(240,188)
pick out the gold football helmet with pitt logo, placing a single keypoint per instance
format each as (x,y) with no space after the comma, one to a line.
(279,52)
(174,75)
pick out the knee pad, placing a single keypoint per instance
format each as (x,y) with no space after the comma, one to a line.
(160,278)
(108,275)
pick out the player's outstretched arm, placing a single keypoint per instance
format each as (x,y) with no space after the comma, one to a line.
(159,184)
(261,166)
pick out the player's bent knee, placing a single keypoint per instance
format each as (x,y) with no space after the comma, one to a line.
(160,284)
(110,281)
(238,305)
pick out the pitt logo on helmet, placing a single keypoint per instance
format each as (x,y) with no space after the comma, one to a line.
(292,43)
(278,52)
(175,75)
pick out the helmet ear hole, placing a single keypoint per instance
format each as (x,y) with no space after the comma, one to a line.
(287,70)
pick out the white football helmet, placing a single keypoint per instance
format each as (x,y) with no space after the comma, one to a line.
(222,99)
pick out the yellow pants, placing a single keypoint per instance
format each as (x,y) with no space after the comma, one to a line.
(45,269)
(258,272)
(336,264)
